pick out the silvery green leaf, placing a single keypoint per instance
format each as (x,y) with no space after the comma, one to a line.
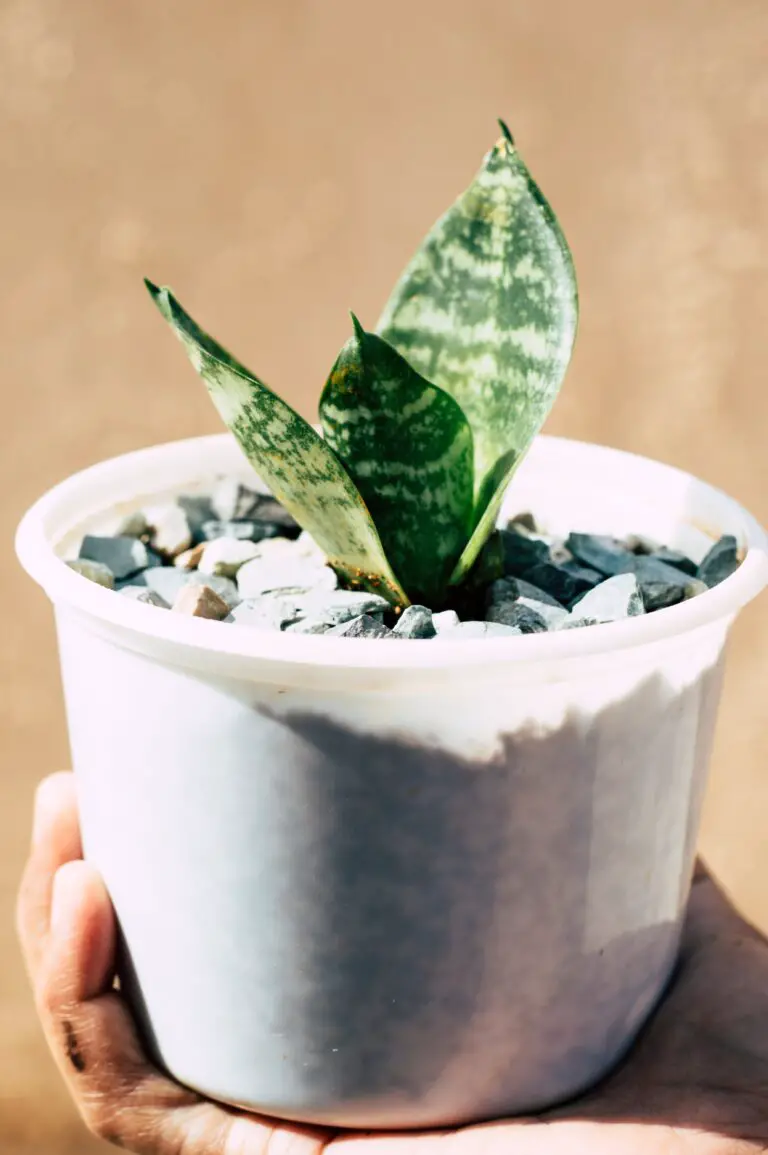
(300,469)
(408,448)
(488,310)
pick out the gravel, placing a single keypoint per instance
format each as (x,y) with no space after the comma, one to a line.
(415,622)
(721,561)
(237,556)
(144,595)
(121,554)
(599,552)
(169,529)
(226,555)
(363,626)
(200,602)
(616,598)
(94,571)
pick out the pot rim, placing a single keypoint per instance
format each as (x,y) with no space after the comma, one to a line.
(93,490)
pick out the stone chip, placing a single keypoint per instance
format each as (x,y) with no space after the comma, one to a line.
(600,552)
(94,571)
(199,601)
(415,622)
(616,598)
(363,626)
(721,561)
(226,555)
(123,555)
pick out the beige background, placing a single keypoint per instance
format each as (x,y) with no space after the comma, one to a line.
(277,162)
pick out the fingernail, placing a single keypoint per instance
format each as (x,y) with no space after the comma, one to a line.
(43,811)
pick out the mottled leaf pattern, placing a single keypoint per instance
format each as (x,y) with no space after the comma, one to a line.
(300,469)
(408,447)
(488,310)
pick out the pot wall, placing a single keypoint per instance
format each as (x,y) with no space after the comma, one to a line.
(383,911)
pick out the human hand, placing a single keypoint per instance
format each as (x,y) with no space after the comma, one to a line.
(696,1082)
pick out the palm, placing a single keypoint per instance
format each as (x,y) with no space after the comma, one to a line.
(696,1081)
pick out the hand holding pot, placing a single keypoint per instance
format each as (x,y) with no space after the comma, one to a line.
(696,1082)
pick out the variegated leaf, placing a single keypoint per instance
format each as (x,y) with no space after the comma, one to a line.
(488,310)
(301,470)
(408,449)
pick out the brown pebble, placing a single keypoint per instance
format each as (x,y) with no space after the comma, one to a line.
(190,558)
(200,601)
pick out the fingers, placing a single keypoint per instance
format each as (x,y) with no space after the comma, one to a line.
(68,931)
(87,1025)
(55,841)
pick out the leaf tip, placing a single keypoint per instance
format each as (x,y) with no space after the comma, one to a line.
(507,136)
(153,289)
(359,330)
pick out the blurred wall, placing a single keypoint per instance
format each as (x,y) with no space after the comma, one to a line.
(277,163)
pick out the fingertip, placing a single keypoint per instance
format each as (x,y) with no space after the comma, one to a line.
(82,931)
(54,796)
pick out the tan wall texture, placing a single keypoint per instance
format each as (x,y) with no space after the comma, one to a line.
(277,161)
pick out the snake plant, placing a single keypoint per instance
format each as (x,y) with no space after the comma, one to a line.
(426,418)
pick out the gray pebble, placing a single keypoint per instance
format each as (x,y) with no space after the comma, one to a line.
(415,622)
(556,581)
(309,626)
(616,598)
(721,561)
(145,595)
(336,606)
(199,511)
(123,555)
(521,553)
(168,581)
(673,557)
(363,626)
(509,589)
(242,530)
(467,631)
(553,616)
(651,570)
(232,501)
(600,552)
(94,571)
(445,620)
(524,617)
(586,577)
(660,595)
(270,512)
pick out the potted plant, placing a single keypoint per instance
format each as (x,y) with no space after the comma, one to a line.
(398,807)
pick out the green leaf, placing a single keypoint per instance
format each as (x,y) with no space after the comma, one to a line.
(408,448)
(300,469)
(488,310)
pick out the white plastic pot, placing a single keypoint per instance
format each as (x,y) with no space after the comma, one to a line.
(394,884)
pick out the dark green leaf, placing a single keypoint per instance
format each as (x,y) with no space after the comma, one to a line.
(408,448)
(488,310)
(300,469)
